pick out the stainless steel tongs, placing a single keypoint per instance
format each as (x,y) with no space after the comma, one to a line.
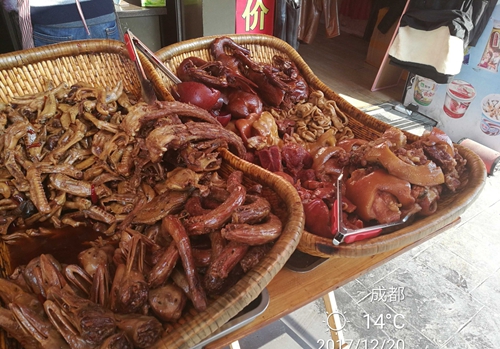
(343,234)
(151,56)
(147,89)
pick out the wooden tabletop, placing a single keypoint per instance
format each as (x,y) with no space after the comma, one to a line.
(290,290)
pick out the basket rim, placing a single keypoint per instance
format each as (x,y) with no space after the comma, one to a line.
(63,49)
(255,280)
(417,230)
(101,62)
(167,53)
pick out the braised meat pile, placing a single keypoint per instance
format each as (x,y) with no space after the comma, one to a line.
(293,130)
(174,233)
(384,180)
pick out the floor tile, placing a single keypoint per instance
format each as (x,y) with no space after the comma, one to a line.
(452,267)
(283,341)
(407,336)
(355,289)
(458,342)
(482,332)
(309,323)
(428,300)
(478,242)
(488,292)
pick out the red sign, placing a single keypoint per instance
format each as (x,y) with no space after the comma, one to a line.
(255,16)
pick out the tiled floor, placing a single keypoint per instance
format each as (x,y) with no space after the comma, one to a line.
(442,294)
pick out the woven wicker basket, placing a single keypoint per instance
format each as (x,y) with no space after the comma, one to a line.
(98,62)
(364,126)
(104,63)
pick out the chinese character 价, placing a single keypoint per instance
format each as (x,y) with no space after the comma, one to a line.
(254,14)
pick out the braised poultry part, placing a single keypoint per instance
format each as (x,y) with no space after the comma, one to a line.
(142,176)
(241,85)
(117,341)
(167,302)
(9,322)
(38,326)
(163,267)
(142,330)
(217,217)
(175,228)
(10,292)
(92,322)
(254,234)
(129,290)
(124,288)
(81,155)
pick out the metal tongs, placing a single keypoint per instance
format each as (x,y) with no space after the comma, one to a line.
(147,89)
(343,234)
(151,56)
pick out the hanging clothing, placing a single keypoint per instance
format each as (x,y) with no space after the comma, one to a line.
(286,21)
(482,13)
(310,11)
(356,9)
(432,38)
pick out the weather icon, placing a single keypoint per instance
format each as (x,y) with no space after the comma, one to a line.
(335,321)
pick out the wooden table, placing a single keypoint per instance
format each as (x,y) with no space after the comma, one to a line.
(290,290)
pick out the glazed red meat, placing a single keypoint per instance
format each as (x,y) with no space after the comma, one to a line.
(439,148)
(285,126)
(270,159)
(295,158)
(306,175)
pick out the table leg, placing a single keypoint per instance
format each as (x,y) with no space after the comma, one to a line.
(334,321)
(234,345)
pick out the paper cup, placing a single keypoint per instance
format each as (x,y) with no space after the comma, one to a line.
(490,116)
(458,97)
(424,90)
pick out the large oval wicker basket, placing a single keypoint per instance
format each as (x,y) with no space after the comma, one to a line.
(364,126)
(104,63)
